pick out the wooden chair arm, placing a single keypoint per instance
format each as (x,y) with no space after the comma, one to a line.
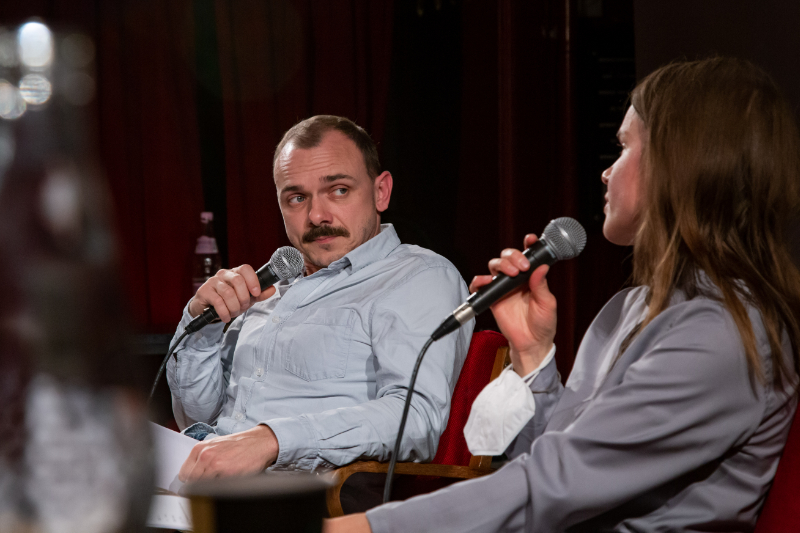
(340,475)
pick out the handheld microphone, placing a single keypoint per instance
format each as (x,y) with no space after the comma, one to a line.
(285,263)
(563,238)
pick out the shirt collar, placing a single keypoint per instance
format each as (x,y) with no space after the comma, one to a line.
(375,249)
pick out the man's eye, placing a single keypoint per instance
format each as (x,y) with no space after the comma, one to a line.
(341,191)
(296,199)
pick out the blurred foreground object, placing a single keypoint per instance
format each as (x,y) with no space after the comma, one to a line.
(274,502)
(74,452)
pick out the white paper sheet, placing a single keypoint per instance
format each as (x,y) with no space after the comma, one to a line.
(171,450)
(170,512)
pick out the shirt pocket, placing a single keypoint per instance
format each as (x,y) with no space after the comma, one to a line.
(320,347)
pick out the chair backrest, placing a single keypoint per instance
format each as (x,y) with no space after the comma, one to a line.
(781,512)
(475,375)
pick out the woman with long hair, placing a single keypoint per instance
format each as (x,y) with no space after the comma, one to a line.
(675,414)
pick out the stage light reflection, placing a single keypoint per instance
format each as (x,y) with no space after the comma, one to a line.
(35,89)
(35,42)
(12,105)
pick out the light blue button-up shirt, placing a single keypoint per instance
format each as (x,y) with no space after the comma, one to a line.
(326,361)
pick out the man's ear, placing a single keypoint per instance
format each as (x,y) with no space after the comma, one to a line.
(382,186)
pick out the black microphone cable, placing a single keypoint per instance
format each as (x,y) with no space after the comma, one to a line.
(387,488)
(164,364)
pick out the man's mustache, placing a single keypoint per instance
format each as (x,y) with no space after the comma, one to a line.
(324,231)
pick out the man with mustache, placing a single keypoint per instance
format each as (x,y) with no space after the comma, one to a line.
(314,375)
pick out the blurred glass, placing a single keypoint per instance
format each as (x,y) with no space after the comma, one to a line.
(35,89)
(75,449)
(12,105)
(35,42)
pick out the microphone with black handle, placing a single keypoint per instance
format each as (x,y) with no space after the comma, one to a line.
(285,263)
(563,238)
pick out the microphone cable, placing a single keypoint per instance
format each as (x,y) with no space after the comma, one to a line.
(387,488)
(164,365)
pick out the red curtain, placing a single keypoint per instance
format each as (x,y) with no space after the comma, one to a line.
(517,150)
(149,142)
(282,61)
(147,135)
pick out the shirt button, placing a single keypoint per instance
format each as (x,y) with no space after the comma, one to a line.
(259,371)
(276,319)
(238,416)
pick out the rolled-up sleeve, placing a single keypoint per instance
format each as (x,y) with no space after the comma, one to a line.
(401,322)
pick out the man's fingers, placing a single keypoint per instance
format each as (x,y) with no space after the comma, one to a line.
(220,305)
(269,291)
(231,299)
(242,291)
(189,463)
(530,238)
(250,279)
(204,467)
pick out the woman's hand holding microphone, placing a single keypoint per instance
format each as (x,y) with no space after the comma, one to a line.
(527,317)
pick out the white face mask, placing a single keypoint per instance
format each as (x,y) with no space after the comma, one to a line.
(501,410)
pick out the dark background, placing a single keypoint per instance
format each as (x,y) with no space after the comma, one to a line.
(494,117)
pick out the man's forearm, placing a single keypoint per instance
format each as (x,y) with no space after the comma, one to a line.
(195,374)
(340,436)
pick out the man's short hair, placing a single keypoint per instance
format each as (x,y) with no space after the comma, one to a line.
(308,134)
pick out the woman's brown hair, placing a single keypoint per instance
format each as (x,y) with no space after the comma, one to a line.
(721,177)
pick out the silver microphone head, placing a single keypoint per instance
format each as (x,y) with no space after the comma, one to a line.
(565,237)
(286,262)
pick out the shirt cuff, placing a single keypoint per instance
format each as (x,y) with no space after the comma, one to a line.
(528,378)
(298,448)
(206,337)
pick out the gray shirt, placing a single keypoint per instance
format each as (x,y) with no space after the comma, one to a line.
(325,362)
(673,436)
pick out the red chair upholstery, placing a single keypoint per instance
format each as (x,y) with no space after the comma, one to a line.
(484,361)
(781,512)
(475,375)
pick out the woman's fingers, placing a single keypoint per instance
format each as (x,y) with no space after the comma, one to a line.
(511,262)
(538,285)
(479,281)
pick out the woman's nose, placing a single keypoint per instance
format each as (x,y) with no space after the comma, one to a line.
(605,175)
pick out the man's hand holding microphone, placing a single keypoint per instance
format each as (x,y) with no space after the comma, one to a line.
(230,293)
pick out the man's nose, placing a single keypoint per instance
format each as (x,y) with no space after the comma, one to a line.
(319,214)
